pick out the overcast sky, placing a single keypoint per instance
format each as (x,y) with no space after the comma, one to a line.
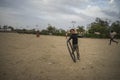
(59,13)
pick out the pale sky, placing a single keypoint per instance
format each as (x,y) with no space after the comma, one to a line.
(58,13)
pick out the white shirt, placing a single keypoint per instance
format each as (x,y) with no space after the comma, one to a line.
(112,35)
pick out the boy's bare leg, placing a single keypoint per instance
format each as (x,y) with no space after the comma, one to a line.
(115,41)
(74,55)
(110,41)
(78,54)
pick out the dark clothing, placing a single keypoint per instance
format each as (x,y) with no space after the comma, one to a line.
(112,40)
(75,47)
(74,38)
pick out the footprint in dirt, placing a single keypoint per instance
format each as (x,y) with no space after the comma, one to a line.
(83,68)
(91,67)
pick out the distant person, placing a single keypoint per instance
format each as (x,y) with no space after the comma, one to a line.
(66,35)
(74,37)
(112,37)
(38,33)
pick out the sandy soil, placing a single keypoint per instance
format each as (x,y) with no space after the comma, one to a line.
(26,57)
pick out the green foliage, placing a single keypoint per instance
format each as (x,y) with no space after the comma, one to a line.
(45,32)
(10,27)
(25,31)
(95,35)
(6,27)
(54,31)
(51,29)
(80,29)
(98,26)
(101,26)
(116,26)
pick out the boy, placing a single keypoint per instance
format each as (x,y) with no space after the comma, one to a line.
(112,36)
(37,33)
(74,38)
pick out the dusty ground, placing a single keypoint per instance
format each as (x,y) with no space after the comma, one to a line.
(25,57)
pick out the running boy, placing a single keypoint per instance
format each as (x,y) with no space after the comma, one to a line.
(74,38)
(112,36)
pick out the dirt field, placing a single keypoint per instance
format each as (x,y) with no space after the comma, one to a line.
(26,57)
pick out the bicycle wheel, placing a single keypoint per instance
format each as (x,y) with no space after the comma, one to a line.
(70,49)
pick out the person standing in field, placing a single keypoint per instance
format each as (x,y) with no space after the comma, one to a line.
(74,37)
(38,33)
(66,35)
(112,37)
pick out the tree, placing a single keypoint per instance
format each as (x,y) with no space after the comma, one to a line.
(10,27)
(116,26)
(99,26)
(80,29)
(51,29)
(0,27)
(5,27)
(60,32)
(44,32)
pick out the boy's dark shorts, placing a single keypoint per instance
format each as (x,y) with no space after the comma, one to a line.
(75,46)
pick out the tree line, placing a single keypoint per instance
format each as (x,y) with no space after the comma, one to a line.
(98,29)
(103,27)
